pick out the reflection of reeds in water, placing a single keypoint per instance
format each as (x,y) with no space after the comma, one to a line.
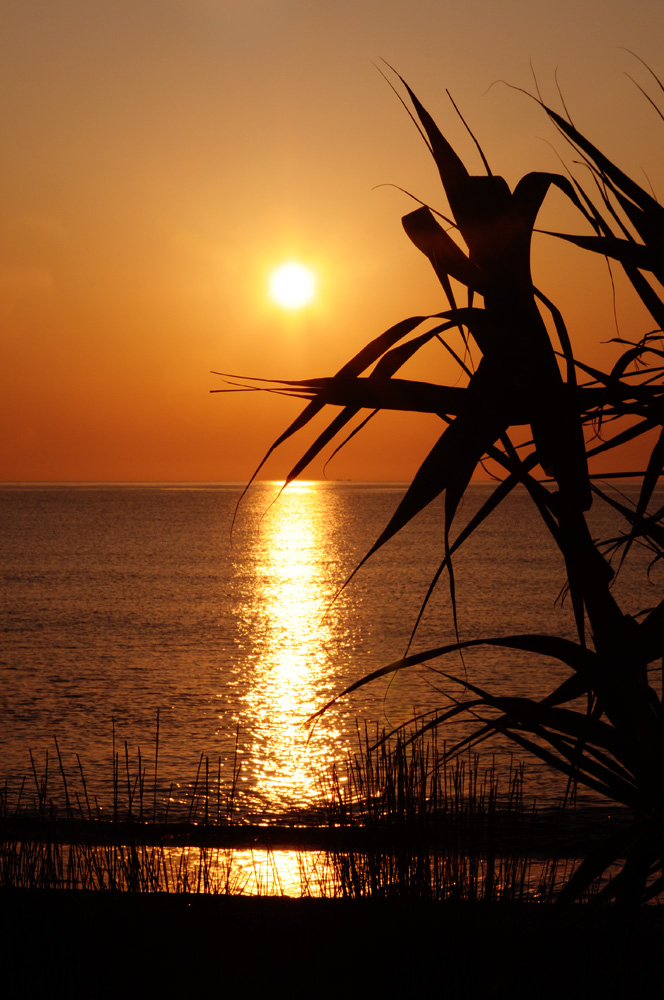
(400,823)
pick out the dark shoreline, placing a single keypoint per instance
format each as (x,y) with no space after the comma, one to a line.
(103,943)
(538,835)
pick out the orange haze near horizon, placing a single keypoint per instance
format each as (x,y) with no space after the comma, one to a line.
(163,157)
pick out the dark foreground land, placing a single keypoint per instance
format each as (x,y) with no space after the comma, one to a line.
(76,943)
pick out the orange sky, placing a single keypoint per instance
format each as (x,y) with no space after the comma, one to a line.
(160,156)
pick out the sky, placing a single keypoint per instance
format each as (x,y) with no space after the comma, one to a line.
(162,157)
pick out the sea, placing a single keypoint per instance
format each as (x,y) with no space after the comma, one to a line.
(166,629)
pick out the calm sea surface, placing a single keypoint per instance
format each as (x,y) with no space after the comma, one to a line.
(119,601)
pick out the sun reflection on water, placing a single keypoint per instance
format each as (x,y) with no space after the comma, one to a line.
(238,872)
(288,614)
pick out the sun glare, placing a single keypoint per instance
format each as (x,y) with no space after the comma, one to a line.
(292,285)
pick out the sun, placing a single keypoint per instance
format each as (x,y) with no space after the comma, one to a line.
(292,285)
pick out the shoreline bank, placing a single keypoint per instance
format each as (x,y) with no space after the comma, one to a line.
(536,833)
(107,943)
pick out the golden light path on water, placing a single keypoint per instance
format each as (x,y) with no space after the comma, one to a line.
(289,614)
(316,874)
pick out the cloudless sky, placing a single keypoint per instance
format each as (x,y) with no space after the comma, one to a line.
(161,156)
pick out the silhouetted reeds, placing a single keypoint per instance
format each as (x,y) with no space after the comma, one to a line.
(131,847)
(428,829)
(399,822)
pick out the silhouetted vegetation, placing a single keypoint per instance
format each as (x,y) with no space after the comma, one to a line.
(434,829)
(604,726)
(397,820)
